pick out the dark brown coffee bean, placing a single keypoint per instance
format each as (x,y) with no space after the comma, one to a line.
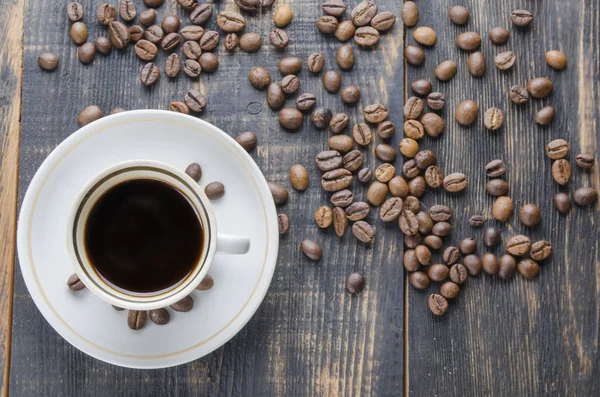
(209,62)
(385,152)
(466,112)
(458,273)
(562,202)
(433,242)
(342,199)
(414,55)
(585,196)
(341,143)
(556,60)
(106,14)
(490,264)
(339,122)
(585,160)
(283,16)
(433,124)
(363,231)
(145,50)
(521,17)
(279,193)
(410,261)
(468,41)
(279,38)
(214,190)
(192,68)
(561,171)
(417,186)
(358,211)
(419,280)
(476,64)
(518,245)
(557,149)
(425,35)
(528,268)
(89,114)
(195,101)
(436,100)
(398,187)
(127,10)
(540,250)
(476,220)
(160,316)
(170,42)
(391,209)
(434,177)
(170,24)
(250,42)
(386,129)
(231,22)
(353,160)
(450,255)
(424,159)
(540,87)
(192,50)
(502,209)
(210,40)
(499,35)
(332,81)
(103,45)
(449,290)
(275,96)
(153,3)
(184,305)
(192,32)
(362,134)
(492,236)
(136,33)
(290,119)
(410,169)
(336,8)
(518,94)
(340,221)
(247,140)
(321,117)
(455,182)
(411,242)
(421,87)
(530,215)
(495,168)
(459,15)
(445,70)
(366,36)
(315,62)
(497,187)
(383,21)
(179,107)
(194,171)
(290,65)
(148,17)
(74,283)
(473,264)
(311,249)
(437,304)
(438,272)
(328,24)
(299,177)
(231,41)
(408,223)
(355,283)
(505,60)
(154,34)
(375,113)
(249,5)
(413,204)
(74,11)
(306,102)
(441,229)
(329,160)
(425,222)
(290,84)
(410,14)
(79,33)
(468,246)
(363,13)
(507,267)
(324,217)
(365,175)
(335,180)
(440,213)
(86,53)
(283,222)
(136,319)
(345,57)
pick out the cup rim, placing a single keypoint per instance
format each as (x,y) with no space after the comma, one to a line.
(162,298)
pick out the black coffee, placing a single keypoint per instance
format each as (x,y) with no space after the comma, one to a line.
(143,236)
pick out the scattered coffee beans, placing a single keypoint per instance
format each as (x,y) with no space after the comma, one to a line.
(545,115)
(492,236)
(74,283)
(562,202)
(136,319)
(521,18)
(184,305)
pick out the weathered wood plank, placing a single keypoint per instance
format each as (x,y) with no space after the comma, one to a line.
(516,338)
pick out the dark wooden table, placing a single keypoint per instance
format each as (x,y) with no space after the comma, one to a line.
(309,337)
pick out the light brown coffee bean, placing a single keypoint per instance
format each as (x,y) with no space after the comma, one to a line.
(459,273)
(362,134)
(89,114)
(425,35)
(375,113)
(410,14)
(414,55)
(290,119)
(408,222)
(476,64)
(408,147)
(502,209)
(433,124)
(540,250)
(497,187)
(437,304)
(194,171)
(339,122)
(383,21)
(385,172)
(499,35)
(495,168)
(48,61)
(413,204)
(450,255)
(332,81)
(376,193)
(311,249)
(528,268)
(350,95)
(299,177)
(518,245)
(507,267)
(446,70)
(340,221)
(324,217)
(283,16)
(283,222)
(434,177)
(414,129)
(315,62)
(398,187)
(355,283)
(363,231)
(345,31)
(545,115)
(438,272)
(385,152)
(391,209)
(556,60)
(468,41)
(493,118)
(557,149)
(136,319)
(440,213)
(466,112)
(179,107)
(249,42)
(328,25)
(341,143)
(561,171)
(459,15)
(345,57)
(540,87)
(455,182)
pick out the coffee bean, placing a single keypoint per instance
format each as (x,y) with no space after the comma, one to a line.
(507,267)
(362,134)
(495,168)
(433,242)
(340,221)
(473,264)
(497,187)
(366,36)
(315,62)
(391,209)
(466,112)
(413,107)
(449,290)
(336,8)
(311,249)
(505,60)
(79,33)
(355,283)
(290,84)
(410,169)
(283,16)
(321,117)
(117,110)
(385,152)
(450,255)
(345,31)
(545,115)
(214,190)
(425,35)
(385,172)
(332,81)
(540,250)
(446,70)
(375,113)
(192,50)
(353,160)
(279,193)
(459,273)
(398,187)
(490,264)
(521,17)
(419,280)
(249,42)
(557,149)
(145,50)
(455,182)
(194,171)
(363,231)
(518,94)
(441,229)
(231,22)
(459,15)
(196,102)
(136,33)
(492,236)
(306,102)
(249,5)
(341,143)
(106,14)
(499,35)
(342,199)
(279,38)
(290,119)
(299,177)
(468,246)
(424,159)
(170,24)
(412,204)
(376,193)
(518,245)
(414,55)
(339,122)
(386,129)
(476,64)
(154,34)
(410,261)
(192,68)
(410,14)
(103,45)
(48,61)
(148,17)
(283,222)
(433,124)
(179,107)
(585,196)
(528,268)
(74,283)
(153,3)
(493,118)
(411,242)
(561,171)
(290,65)
(440,213)
(89,114)
(476,220)
(329,160)
(184,305)
(502,209)
(436,100)
(585,160)
(324,217)
(438,272)
(160,316)
(335,180)
(136,319)
(209,62)
(345,57)
(231,41)
(363,13)
(365,175)
(425,222)
(421,87)
(328,24)
(210,40)
(170,42)
(530,215)
(562,202)
(416,186)
(192,32)
(383,21)
(74,11)
(408,223)
(556,60)
(275,96)
(127,10)
(468,41)
(540,87)
(434,177)
(437,304)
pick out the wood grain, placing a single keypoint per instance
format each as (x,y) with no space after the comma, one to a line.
(517,337)
(11,66)
(309,337)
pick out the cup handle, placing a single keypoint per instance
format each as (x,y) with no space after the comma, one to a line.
(233,245)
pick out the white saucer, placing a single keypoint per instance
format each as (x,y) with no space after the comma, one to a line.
(241,282)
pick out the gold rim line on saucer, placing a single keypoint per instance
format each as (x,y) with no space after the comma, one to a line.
(43,293)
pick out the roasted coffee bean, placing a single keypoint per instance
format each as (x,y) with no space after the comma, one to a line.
(507,267)
(103,45)
(179,107)
(306,102)
(505,60)
(353,160)
(413,107)
(279,38)
(492,236)
(455,182)
(324,217)
(365,175)
(476,220)
(375,113)
(438,272)
(279,193)
(376,193)
(209,62)
(74,11)
(290,65)
(170,24)
(398,187)
(466,112)
(561,171)
(247,140)
(184,305)
(214,190)
(315,62)
(557,149)
(342,199)
(424,159)
(385,152)
(436,100)
(528,268)
(410,169)
(336,8)
(425,35)
(275,96)
(391,209)
(355,283)
(410,261)
(490,264)
(556,60)
(192,32)
(79,33)
(473,264)
(127,10)
(148,17)
(585,196)
(449,290)
(518,94)
(416,186)
(195,101)
(518,245)
(362,134)
(283,16)
(136,33)
(290,84)
(459,15)
(332,81)
(419,280)
(434,177)
(421,87)
(562,202)
(231,41)
(210,40)
(585,160)
(145,50)
(530,215)
(74,283)
(329,160)
(468,246)
(383,21)
(299,177)
(136,319)
(154,34)
(545,115)
(497,187)
(440,213)
(341,143)
(170,42)
(89,114)
(540,250)
(340,221)
(441,229)
(459,273)
(363,231)
(414,55)
(363,13)
(413,204)
(345,57)
(366,36)
(437,304)
(521,17)
(249,42)
(408,223)
(290,119)
(283,222)
(321,117)
(445,70)
(540,87)
(192,68)
(468,41)
(495,168)
(433,242)
(192,50)
(411,242)
(493,119)
(160,316)
(386,129)
(153,3)
(106,14)
(86,53)
(335,180)
(231,22)
(476,64)
(499,35)
(450,255)
(249,5)
(339,122)
(433,124)
(425,222)
(410,14)
(502,209)
(385,172)
(423,255)
(328,24)
(194,171)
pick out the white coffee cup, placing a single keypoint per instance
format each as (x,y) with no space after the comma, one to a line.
(214,243)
